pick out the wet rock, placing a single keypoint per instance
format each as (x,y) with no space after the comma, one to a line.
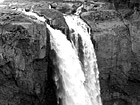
(55,18)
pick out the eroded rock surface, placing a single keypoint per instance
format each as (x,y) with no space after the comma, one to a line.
(117,48)
(25,56)
(24,62)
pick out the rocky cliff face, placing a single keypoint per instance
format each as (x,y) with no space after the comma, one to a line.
(25,67)
(25,55)
(117,48)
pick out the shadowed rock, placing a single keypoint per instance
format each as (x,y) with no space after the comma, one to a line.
(24,61)
(117,50)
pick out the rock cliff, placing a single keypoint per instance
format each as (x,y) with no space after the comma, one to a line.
(26,68)
(117,47)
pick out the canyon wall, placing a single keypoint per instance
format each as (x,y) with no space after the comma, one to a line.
(26,67)
(117,47)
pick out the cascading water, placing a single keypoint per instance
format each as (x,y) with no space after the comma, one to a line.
(80,85)
(74,92)
(90,68)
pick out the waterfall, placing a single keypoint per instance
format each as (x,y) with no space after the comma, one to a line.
(90,67)
(79,78)
(74,92)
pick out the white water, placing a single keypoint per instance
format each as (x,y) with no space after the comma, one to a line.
(90,62)
(79,88)
(70,69)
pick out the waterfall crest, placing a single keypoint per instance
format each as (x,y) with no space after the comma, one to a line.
(90,67)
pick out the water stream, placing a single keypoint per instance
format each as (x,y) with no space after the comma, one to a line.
(90,67)
(80,79)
